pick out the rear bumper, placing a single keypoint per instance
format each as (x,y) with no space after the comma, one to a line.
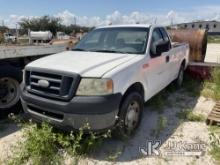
(99,112)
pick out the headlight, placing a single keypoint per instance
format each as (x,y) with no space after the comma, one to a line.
(89,87)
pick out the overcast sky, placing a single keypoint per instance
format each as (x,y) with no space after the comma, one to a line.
(102,12)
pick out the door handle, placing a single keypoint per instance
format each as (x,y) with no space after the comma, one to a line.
(167,59)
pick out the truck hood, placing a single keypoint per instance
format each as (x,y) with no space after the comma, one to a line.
(87,64)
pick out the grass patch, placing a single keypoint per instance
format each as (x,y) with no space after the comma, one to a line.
(188,115)
(214,39)
(211,88)
(214,137)
(159,101)
(161,125)
(192,86)
(114,156)
(42,144)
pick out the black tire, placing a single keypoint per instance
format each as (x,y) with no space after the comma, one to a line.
(179,81)
(132,100)
(10,79)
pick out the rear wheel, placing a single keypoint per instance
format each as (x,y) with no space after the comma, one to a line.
(179,80)
(10,79)
(130,114)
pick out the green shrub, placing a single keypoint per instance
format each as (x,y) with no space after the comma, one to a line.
(45,145)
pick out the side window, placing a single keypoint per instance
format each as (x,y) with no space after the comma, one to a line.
(165,36)
(156,38)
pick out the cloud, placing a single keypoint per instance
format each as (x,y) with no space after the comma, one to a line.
(165,18)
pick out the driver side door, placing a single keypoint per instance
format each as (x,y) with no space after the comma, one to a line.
(157,71)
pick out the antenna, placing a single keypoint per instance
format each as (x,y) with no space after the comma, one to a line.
(75,21)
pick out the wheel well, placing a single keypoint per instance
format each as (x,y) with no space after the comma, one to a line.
(137,87)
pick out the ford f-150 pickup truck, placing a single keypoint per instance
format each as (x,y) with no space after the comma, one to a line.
(105,79)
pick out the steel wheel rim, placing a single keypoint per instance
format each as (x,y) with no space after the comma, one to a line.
(12,95)
(132,117)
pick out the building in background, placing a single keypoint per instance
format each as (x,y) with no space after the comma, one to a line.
(213,27)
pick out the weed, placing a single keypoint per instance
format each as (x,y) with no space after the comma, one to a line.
(211,88)
(188,115)
(192,86)
(44,145)
(161,125)
(215,145)
(114,156)
(159,101)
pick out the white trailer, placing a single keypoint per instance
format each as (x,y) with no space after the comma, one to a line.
(12,61)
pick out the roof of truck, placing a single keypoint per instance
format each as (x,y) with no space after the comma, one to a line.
(128,25)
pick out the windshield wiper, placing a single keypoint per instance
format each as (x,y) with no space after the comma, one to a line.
(78,49)
(108,51)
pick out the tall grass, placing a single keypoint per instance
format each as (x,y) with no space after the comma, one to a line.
(211,88)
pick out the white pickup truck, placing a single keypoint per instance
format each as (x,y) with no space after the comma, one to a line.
(105,79)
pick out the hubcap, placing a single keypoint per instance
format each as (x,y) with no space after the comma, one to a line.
(9,92)
(132,116)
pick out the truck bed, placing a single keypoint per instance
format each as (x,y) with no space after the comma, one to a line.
(25,51)
(177,44)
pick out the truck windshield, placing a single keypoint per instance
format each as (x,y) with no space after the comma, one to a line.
(131,40)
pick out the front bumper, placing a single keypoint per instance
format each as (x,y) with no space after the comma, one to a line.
(99,112)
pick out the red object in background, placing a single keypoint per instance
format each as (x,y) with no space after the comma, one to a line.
(201,71)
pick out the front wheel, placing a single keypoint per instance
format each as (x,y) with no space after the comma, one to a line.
(130,114)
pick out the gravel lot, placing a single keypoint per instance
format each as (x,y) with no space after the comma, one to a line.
(128,151)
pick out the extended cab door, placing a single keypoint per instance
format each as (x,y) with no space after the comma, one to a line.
(157,74)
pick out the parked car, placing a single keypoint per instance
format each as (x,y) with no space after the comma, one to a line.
(8,37)
(105,79)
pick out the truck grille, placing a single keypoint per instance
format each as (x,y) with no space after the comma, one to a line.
(58,86)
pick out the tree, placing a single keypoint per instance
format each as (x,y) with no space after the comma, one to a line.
(41,24)
(52,24)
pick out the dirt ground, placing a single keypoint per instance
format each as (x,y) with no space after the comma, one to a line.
(128,151)
(132,151)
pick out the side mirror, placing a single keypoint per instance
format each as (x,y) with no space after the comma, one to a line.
(163,47)
(160,47)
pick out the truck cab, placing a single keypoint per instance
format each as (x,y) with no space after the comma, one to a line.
(105,80)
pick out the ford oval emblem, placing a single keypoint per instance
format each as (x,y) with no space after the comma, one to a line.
(43,83)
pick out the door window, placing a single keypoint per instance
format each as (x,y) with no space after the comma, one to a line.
(156,38)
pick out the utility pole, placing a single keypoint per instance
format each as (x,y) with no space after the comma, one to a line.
(75,21)
(17,30)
